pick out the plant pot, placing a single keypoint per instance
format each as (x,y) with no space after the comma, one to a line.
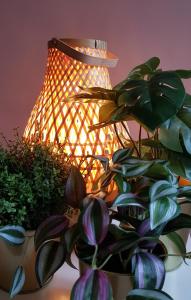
(184,233)
(171,262)
(13,256)
(121,283)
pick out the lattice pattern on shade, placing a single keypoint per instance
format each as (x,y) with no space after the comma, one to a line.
(56,121)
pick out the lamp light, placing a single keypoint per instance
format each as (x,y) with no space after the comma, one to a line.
(73,63)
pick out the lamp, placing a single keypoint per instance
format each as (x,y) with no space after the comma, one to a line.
(73,63)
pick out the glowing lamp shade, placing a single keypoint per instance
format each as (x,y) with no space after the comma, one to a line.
(54,119)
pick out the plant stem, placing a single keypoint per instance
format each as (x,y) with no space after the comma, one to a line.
(152,151)
(140,134)
(117,134)
(94,266)
(185,202)
(187,255)
(104,263)
(156,138)
(131,139)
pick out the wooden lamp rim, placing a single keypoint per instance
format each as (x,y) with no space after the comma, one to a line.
(66,46)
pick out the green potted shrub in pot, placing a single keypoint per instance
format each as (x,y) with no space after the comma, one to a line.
(32,187)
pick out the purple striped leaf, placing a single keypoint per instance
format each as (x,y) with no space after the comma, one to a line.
(95,221)
(149,271)
(145,230)
(75,190)
(71,236)
(51,228)
(93,284)
(50,257)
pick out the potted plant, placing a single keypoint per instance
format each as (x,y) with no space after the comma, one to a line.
(112,244)
(158,102)
(147,174)
(33,181)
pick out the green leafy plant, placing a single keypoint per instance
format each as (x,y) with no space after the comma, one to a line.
(158,101)
(32,183)
(107,238)
(148,203)
(35,183)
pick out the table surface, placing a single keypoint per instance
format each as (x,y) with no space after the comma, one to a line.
(177,284)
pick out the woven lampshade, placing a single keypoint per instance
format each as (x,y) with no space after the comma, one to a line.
(54,119)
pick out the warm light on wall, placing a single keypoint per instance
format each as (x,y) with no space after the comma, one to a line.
(54,119)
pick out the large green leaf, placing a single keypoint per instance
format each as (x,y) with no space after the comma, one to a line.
(185,74)
(154,101)
(159,98)
(163,210)
(133,167)
(161,189)
(180,164)
(127,199)
(175,133)
(140,71)
(145,294)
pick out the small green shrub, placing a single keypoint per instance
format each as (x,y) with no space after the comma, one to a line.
(32,182)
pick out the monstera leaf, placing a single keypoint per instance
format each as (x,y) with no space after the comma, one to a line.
(140,71)
(180,164)
(154,101)
(175,133)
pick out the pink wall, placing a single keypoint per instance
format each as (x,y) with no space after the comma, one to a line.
(135,30)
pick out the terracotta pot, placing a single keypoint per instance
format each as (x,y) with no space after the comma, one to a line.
(121,283)
(13,256)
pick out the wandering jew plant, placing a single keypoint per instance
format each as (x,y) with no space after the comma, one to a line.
(107,238)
